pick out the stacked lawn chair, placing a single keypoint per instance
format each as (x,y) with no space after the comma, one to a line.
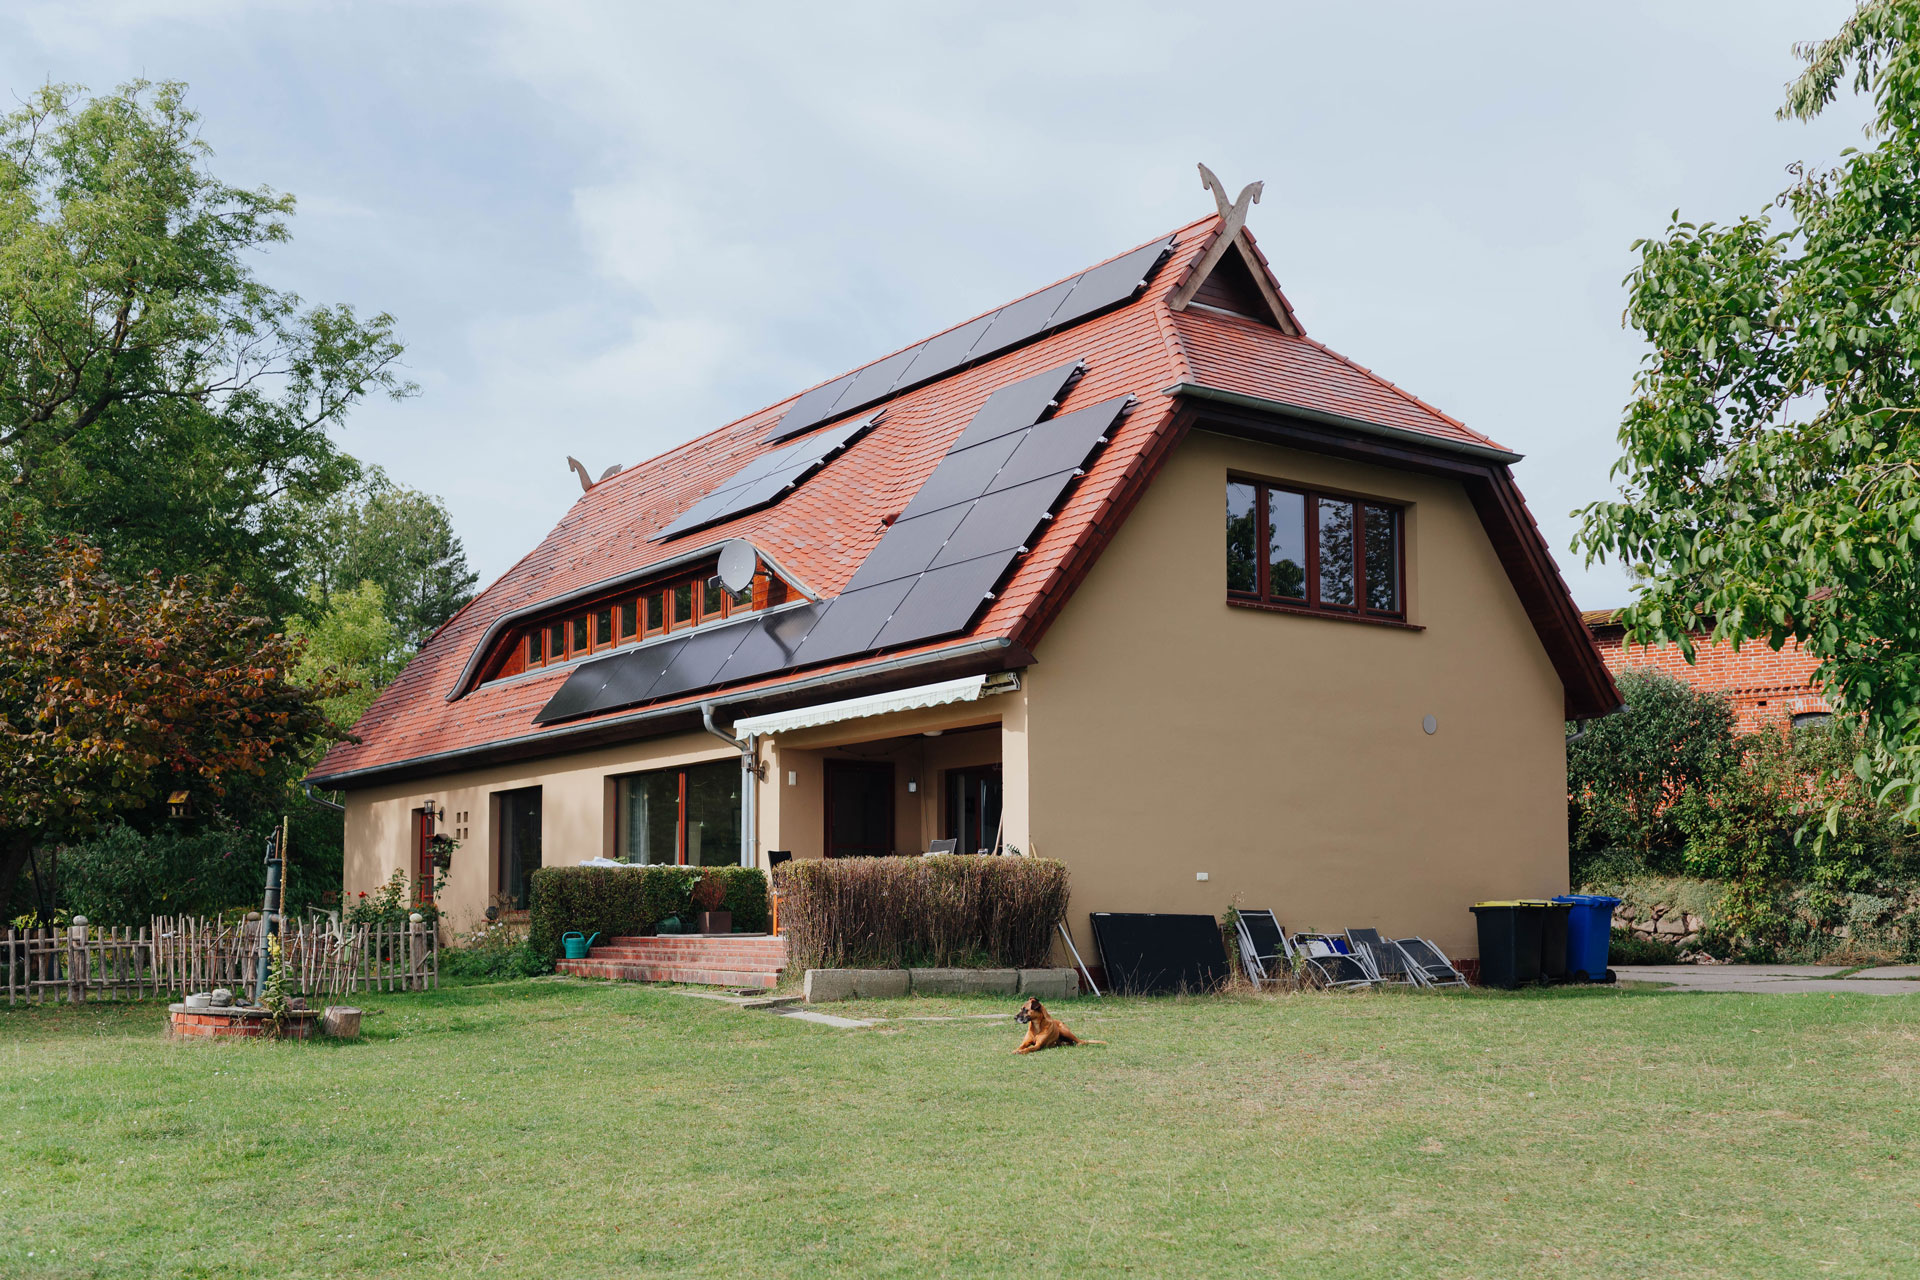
(1413,961)
(1268,955)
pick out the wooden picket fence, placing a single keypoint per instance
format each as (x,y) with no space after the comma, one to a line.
(185,953)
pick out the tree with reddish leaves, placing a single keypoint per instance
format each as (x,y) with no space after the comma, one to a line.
(113,694)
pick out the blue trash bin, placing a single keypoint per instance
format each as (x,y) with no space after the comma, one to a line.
(1589,930)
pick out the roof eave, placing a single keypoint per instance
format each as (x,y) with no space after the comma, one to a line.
(1400,435)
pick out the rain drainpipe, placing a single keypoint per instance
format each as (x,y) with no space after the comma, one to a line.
(749,749)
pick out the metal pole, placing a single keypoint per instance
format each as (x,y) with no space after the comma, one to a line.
(1084,971)
(269,909)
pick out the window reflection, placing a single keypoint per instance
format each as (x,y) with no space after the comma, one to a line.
(1336,551)
(1242,571)
(1383,559)
(1286,545)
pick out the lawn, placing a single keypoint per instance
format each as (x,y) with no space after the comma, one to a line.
(558,1128)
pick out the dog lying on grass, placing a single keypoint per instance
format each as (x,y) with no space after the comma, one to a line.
(1044,1031)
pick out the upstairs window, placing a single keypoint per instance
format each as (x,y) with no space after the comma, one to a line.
(1296,548)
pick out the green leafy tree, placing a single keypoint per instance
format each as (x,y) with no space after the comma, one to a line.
(397,538)
(1625,773)
(351,643)
(1771,468)
(156,398)
(114,694)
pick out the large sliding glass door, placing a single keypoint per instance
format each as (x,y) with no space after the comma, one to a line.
(973,808)
(688,816)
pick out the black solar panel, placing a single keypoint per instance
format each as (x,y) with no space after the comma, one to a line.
(1111,283)
(770,643)
(1018,404)
(765,479)
(1059,444)
(943,600)
(851,622)
(907,548)
(634,673)
(578,694)
(698,661)
(813,408)
(1062,304)
(1003,521)
(1018,321)
(944,352)
(963,476)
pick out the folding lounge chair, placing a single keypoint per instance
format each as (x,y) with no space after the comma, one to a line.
(1323,957)
(942,846)
(1429,964)
(1383,957)
(1264,951)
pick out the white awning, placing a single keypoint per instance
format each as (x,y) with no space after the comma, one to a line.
(968,689)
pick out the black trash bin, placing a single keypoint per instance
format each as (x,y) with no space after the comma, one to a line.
(1553,939)
(1509,942)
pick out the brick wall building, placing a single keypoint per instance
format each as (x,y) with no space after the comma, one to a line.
(1766,688)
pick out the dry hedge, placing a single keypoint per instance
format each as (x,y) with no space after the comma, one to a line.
(947,910)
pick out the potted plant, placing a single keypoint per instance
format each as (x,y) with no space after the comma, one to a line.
(441,848)
(708,895)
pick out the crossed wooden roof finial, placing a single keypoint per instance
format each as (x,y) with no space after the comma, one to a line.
(1233,217)
(1234,214)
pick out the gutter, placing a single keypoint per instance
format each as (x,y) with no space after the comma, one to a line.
(335,781)
(1582,727)
(749,749)
(1399,435)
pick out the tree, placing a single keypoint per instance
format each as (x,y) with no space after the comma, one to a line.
(1771,468)
(1625,773)
(397,538)
(155,397)
(114,694)
(353,643)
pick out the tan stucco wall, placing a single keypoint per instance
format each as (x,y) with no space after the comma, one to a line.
(1168,733)
(576,816)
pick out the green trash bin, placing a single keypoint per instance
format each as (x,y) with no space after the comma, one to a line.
(1510,941)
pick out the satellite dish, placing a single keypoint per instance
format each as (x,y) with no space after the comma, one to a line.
(738,560)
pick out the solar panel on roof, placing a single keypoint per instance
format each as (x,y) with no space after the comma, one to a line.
(1018,405)
(1059,444)
(771,642)
(1003,521)
(943,600)
(764,480)
(851,621)
(962,476)
(698,661)
(1111,283)
(1086,294)
(907,548)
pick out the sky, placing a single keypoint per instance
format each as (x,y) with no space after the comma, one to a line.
(606,228)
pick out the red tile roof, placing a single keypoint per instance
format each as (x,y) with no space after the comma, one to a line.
(821,531)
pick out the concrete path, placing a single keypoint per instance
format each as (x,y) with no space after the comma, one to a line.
(1779,979)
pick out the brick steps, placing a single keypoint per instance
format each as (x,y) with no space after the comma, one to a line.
(719,960)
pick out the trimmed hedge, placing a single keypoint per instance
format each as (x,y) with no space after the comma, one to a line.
(617,901)
(949,910)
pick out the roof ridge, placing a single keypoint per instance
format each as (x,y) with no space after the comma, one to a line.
(1402,392)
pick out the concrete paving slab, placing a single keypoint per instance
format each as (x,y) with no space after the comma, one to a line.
(1889,971)
(1786,979)
(824,1019)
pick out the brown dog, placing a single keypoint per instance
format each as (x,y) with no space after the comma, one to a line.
(1043,1030)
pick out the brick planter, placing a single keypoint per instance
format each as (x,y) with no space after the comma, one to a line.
(235,1023)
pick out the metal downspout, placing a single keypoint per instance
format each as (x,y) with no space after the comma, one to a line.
(749,749)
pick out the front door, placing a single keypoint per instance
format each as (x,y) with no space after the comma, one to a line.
(859,808)
(423,854)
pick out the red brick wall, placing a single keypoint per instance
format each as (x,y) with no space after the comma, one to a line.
(1765,687)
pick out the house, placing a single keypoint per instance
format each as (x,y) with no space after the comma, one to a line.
(1765,687)
(1130,572)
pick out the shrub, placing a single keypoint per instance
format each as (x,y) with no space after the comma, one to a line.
(492,953)
(1626,772)
(617,901)
(1624,948)
(392,906)
(947,910)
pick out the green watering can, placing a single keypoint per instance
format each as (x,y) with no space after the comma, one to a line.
(576,945)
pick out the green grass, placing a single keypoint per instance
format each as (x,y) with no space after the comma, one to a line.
(554,1128)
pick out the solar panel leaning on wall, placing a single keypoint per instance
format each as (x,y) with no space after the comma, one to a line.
(1069,302)
(927,577)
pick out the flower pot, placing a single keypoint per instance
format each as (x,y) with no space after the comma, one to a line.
(716,922)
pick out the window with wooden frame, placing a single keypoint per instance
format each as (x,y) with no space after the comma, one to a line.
(688,600)
(1290,547)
